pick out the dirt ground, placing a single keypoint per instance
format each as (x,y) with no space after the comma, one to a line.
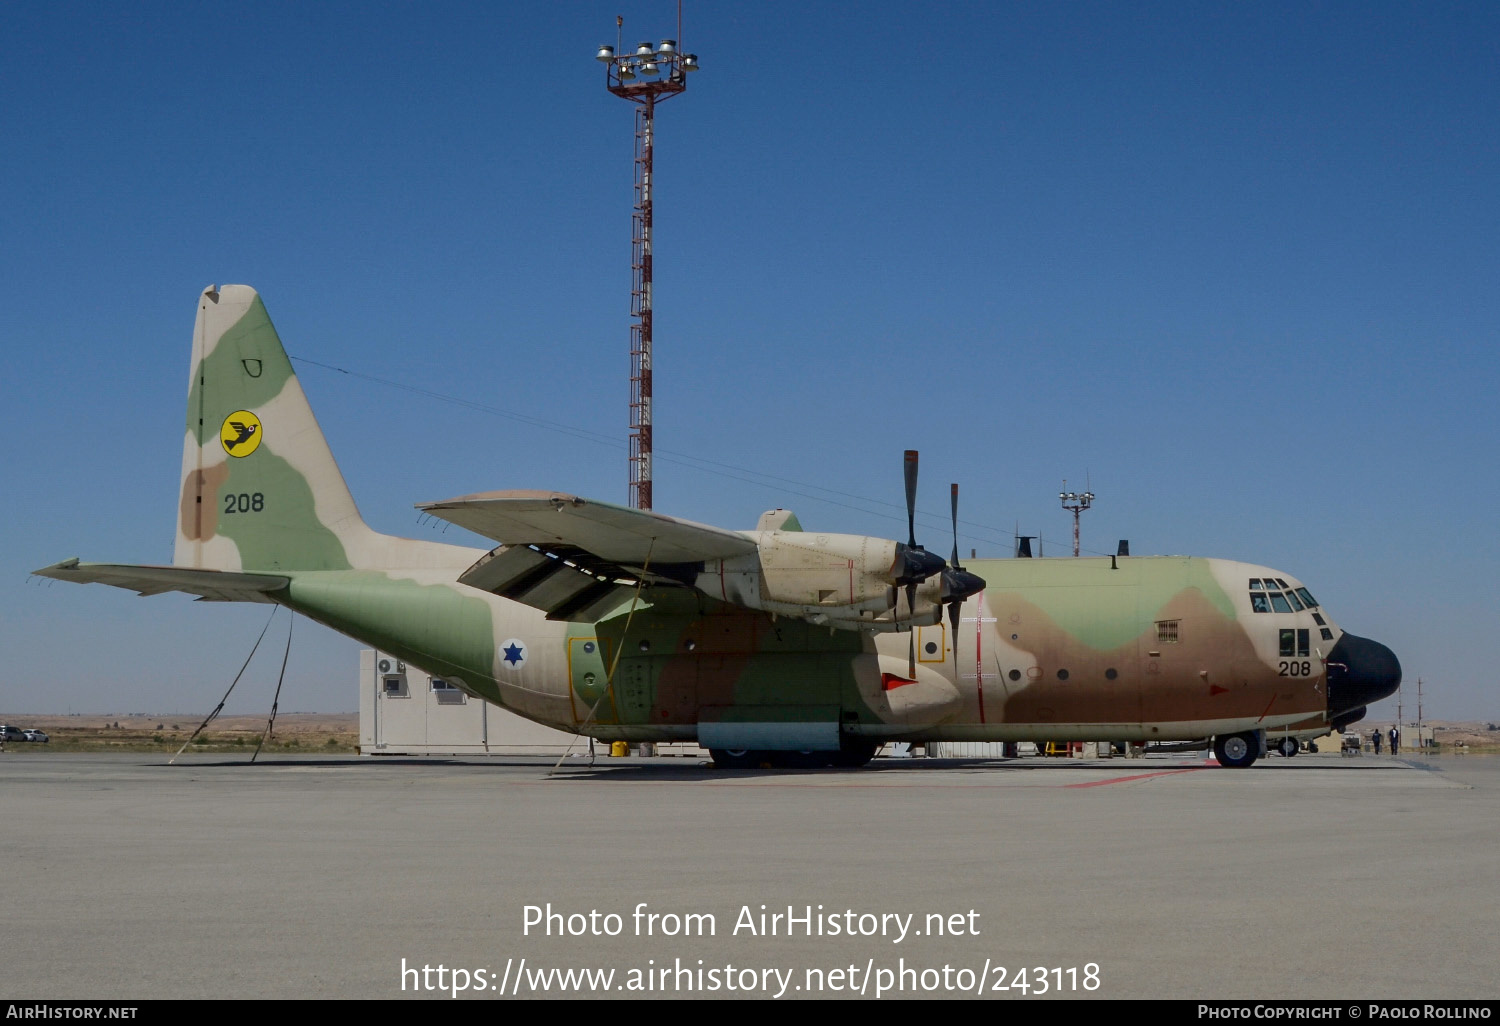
(310,732)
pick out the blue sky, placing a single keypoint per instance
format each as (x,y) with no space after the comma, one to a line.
(1235,265)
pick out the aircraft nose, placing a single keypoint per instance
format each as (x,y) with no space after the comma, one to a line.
(1360,672)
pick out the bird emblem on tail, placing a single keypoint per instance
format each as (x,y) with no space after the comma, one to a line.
(241,433)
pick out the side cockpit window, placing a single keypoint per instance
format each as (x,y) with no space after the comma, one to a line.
(1259,603)
(1294,641)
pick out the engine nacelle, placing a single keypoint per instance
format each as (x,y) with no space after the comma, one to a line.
(842,580)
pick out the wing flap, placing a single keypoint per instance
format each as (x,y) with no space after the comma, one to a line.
(547,581)
(208,585)
(614,534)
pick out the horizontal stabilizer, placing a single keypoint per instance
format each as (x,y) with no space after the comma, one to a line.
(208,585)
(613,534)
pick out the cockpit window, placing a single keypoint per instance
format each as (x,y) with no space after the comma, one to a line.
(1307,598)
(1282,585)
(1255,584)
(1279,602)
(1294,641)
(1292,598)
(1259,603)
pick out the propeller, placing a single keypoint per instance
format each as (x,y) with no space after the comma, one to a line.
(917,564)
(958,583)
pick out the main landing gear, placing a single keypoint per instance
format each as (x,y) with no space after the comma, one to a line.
(1239,750)
(852,755)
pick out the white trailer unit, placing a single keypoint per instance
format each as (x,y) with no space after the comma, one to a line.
(404,710)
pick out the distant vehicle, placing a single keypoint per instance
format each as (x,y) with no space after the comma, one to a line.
(37,735)
(9,733)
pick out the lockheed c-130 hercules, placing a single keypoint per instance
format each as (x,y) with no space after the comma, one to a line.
(773,645)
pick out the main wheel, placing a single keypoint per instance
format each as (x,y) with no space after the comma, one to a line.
(1236,750)
(853,754)
(734,758)
(805,759)
(1288,747)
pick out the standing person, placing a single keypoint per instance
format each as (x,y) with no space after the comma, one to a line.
(1395,740)
(1375,740)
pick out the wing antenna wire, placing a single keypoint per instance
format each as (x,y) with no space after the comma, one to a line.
(219,708)
(276,699)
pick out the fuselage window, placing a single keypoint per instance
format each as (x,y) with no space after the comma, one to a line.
(1288,641)
(1259,603)
(1302,646)
(1318,619)
(1279,602)
(1327,634)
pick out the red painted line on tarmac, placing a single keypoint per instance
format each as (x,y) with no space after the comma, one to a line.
(1138,776)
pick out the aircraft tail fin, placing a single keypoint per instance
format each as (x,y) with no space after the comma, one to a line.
(260,488)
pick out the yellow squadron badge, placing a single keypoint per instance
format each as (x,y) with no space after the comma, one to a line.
(240,434)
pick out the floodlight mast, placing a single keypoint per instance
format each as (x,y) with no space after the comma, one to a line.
(644,76)
(1076,503)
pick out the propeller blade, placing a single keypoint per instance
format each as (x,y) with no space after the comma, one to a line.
(911,497)
(954,608)
(911,611)
(954,560)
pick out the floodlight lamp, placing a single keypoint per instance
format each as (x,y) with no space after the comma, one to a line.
(649,68)
(689,62)
(644,50)
(626,72)
(605,54)
(667,47)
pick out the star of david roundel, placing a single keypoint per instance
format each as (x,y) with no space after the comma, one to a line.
(512,654)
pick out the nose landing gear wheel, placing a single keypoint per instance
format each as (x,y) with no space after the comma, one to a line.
(734,758)
(1287,747)
(1236,750)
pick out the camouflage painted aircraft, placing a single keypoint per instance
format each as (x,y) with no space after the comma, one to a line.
(774,645)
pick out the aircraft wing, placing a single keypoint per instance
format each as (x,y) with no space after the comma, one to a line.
(576,558)
(208,585)
(615,534)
